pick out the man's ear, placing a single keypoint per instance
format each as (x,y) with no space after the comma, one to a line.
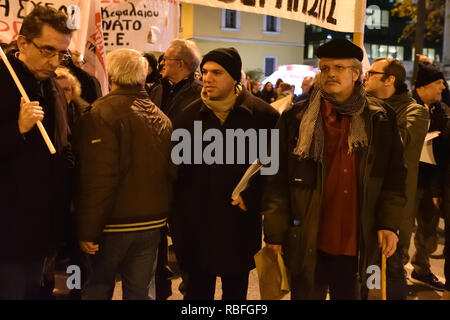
(389,81)
(21,42)
(356,74)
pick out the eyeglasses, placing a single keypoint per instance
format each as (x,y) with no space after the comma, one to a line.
(167,59)
(337,69)
(50,53)
(371,73)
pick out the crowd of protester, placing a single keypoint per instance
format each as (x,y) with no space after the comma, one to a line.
(352,180)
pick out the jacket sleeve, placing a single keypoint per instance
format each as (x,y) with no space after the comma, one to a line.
(10,137)
(392,197)
(98,175)
(439,180)
(252,195)
(275,203)
(417,121)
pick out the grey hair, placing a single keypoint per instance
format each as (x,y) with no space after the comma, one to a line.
(127,67)
(357,65)
(188,52)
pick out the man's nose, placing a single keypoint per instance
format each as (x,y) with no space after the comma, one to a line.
(55,62)
(206,77)
(331,73)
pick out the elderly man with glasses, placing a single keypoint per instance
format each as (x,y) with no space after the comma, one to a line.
(33,184)
(178,86)
(338,194)
(176,90)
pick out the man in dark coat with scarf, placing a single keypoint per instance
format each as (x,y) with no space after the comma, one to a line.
(33,181)
(340,189)
(213,235)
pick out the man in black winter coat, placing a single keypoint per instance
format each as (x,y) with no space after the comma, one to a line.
(428,89)
(213,235)
(176,89)
(33,182)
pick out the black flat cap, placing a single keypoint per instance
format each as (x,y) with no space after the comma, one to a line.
(340,49)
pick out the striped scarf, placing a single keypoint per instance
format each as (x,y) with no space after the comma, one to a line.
(311,142)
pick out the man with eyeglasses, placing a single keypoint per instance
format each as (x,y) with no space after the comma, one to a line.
(178,86)
(386,80)
(33,182)
(341,184)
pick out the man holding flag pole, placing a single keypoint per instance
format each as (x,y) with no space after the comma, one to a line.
(33,181)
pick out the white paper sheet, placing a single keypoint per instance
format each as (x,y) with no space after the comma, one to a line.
(243,183)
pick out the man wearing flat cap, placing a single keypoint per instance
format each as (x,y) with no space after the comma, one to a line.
(213,235)
(429,85)
(341,183)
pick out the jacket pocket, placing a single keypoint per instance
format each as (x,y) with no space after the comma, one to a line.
(303,172)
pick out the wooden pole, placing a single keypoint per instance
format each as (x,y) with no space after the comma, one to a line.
(420,33)
(44,134)
(383,273)
(360,15)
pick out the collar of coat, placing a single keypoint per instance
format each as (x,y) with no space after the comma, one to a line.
(138,91)
(243,102)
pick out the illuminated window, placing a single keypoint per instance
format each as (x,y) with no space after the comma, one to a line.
(385,18)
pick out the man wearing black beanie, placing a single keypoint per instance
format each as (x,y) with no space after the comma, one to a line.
(428,89)
(213,235)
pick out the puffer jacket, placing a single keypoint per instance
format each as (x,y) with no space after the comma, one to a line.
(124,168)
(292,197)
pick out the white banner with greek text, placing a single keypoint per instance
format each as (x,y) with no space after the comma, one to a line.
(145,25)
(338,15)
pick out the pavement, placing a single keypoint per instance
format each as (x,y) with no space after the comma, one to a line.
(419,291)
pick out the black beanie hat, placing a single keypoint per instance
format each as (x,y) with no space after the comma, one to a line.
(228,58)
(426,74)
(340,49)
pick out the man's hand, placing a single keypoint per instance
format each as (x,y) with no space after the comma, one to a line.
(239,202)
(437,202)
(423,59)
(390,238)
(88,247)
(29,114)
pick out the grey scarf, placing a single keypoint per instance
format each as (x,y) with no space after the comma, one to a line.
(311,141)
